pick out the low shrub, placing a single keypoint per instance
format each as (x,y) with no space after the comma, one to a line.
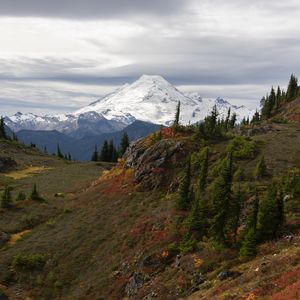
(29,262)
(242,147)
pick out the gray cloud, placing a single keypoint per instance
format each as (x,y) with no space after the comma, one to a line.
(90,9)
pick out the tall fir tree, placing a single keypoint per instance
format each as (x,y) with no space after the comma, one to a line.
(35,195)
(177,114)
(124,143)
(248,248)
(112,152)
(59,154)
(183,202)
(292,90)
(269,215)
(221,199)
(2,129)
(95,154)
(261,169)
(104,155)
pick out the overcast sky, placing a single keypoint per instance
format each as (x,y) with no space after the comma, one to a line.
(58,55)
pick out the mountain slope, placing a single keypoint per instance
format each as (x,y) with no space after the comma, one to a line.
(117,239)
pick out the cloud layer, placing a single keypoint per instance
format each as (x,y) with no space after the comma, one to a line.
(59,55)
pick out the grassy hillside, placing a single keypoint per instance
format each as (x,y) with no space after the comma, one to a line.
(121,235)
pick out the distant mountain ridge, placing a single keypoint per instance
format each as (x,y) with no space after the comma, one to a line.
(81,149)
(150,99)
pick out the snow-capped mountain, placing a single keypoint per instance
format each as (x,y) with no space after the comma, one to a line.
(153,99)
(150,99)
(77,126)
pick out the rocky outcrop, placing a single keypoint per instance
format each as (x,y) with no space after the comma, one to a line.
(6,163)
(151,160)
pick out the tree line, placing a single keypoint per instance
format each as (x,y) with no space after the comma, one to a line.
(273,101)
(108,152)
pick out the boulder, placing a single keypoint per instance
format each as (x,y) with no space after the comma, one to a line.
(134,284)
(7,163)
(227,274)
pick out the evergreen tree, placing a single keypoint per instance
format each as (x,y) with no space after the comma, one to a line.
(203,170)
(197,221)
(227,120)
(278,98)
(248,248)
(2,129)
(45,150)
(95,154)
(112,152)
(221,199)
(6,199)
(34,195)
(124,144)
(232,121)
(69,156)
(104,155)
(292,88)
(269,215)
(58,152)
(261,170)
(255,118)
(177,114)
(184,201)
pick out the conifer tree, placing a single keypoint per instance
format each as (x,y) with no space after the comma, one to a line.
(95,154)
(227,120)
(269,215)
(69,156)
(177,114)
(58,152)
(124,144)
(6,199)
(232,121)
(221,199)
(197,221)
(261,170)
(292,88)
(112,152)
(104,156)
(255,118)
(2,129)
(248,248)
(184,201)
(203,170)
(34,195)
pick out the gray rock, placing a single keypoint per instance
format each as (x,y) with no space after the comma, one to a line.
(226,274)
(134,284)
